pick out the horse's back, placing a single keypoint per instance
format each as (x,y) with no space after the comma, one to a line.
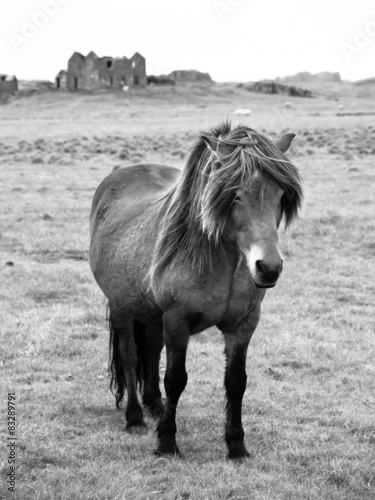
(128,190)
(134,183)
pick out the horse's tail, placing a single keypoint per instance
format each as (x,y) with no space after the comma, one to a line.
(117,359)
(140,342)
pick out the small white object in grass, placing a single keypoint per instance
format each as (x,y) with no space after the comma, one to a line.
(243,112)
(341,107)
(288,104)
(125,88)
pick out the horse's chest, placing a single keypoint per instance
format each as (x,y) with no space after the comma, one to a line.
(243,295)
(224,298)
(229,301)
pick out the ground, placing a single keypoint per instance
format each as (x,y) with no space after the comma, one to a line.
(310,400)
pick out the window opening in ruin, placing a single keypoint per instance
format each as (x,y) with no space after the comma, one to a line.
(109,64)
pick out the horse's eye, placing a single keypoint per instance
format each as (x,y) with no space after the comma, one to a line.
(237,198)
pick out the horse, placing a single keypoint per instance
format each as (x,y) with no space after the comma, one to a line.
(178,251)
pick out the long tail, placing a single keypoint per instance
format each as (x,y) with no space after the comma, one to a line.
(118,359)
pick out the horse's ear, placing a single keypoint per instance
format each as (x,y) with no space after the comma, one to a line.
(211,142)
(284,142)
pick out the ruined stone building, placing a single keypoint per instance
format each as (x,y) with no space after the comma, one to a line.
(94,73)
(8,84)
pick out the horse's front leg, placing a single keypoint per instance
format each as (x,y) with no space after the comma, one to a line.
(236,344)
(176,336)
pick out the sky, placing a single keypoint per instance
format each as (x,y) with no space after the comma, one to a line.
(233,40)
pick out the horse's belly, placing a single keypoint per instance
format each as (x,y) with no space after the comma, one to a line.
(135,299)
(120,262)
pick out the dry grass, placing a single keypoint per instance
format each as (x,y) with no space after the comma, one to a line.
(309,406)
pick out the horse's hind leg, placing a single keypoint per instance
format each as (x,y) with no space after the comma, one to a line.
(154,343)
(124,369)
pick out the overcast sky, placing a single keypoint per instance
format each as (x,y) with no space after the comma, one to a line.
(233,40)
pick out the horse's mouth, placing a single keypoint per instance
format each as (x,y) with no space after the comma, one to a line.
(270,285)
(264,284)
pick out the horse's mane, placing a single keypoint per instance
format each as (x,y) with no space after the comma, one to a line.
(222,162)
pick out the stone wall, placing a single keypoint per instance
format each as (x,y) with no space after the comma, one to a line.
(93,73)
(8,84)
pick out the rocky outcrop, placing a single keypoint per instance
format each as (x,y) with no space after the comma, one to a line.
(272,87)
(160,80)
(366,81)
(189,75)
(305,76)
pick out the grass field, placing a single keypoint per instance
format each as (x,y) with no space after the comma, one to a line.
(310,403)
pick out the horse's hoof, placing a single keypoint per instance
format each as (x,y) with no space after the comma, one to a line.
(157,412)
(136,430)
(165,447)
(241,460)
(156,408)
(175,453)
(237,450)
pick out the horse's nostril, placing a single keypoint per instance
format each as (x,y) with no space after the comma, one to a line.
(270,272)
(261,267)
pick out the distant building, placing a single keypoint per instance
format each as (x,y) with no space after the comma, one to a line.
(94,73)
(8,84)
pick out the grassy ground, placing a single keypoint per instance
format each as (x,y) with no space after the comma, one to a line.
(309,405)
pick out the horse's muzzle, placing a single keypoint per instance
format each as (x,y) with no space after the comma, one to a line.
(267,273)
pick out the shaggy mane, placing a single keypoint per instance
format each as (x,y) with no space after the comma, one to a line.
(222,162)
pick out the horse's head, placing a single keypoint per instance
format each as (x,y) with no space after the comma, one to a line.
(250,186)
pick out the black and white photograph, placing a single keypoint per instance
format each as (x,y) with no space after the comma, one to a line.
(187,250)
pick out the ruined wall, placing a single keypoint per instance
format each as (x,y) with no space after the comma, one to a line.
(106,73)
(91,79)
(93,72)
(123,74)
(118,72)
(61,80)
(8,84)
(76,72)
(83,72)
(139,69)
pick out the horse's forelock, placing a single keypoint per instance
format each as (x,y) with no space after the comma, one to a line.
(235,159)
